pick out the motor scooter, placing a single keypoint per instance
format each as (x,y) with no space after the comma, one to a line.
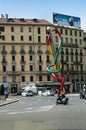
(62,99)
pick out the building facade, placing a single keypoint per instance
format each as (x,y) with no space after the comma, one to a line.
(24,56)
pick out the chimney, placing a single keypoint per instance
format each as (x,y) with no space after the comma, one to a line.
(6,16)
(2,16)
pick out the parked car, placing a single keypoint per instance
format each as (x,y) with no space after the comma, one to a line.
(48,93)
(27,93)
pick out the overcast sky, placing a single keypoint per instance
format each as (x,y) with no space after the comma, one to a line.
(44,8)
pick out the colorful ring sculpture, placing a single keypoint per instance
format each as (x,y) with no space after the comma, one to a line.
(56,67)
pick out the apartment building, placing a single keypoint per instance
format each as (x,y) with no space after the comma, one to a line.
(24,56)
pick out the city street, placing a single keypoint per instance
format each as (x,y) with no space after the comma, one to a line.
(41,113)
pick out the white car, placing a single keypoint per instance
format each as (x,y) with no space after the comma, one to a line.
(27,93)
(48,93)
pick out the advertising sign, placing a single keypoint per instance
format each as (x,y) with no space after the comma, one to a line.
(67,20)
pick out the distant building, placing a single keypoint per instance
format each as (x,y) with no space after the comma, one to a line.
(24,56)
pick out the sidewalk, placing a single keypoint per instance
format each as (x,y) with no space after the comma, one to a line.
(9,100)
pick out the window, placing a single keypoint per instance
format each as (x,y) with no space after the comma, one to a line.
(30,48)
(4,79)
(39,38)
(23,78)
(13,78)
(72,67)
(21,38)
(81,53)
(72,58)
(67,59)
(75,33)
(3,48)
(22,58)
(81,68)
(39,30)
(31,67)
(12,38)
(30,38)
(39,48)
(4,68)
(48,58)
(40,68)
(30,29)
(61,31)
(70,32)
(13,58)
(67,67)
(66,40)
(31,78)
(12,29)
(80,58)
(2,29)
(31,58)
(22,51)
(3,58)
(75,41)
(21,29)
(80,34)
(48,78)
(40,78)
(66,32)
(76,58)
(56,39)
(80,42)
(40,59)
(62,58)
(22,68)
(2,37)
(13,48)
(71,41)
(13,68)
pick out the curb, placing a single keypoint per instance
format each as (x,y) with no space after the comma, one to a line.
(9,102)
(72,94)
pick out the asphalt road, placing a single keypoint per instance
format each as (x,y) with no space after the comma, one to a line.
(41,113)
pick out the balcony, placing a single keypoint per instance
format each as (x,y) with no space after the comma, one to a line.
(22,52)
(39,51)
(62,52)
(13,52)
(47,52)
(76,53)
(22,62)
(3,52)
(40,61)
(48,61)
(64,62)
(31,51)
(4,62)
(69,45)
(40,72)
(77,62)
(13,73)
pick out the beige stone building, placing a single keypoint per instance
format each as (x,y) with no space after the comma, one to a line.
(24,57)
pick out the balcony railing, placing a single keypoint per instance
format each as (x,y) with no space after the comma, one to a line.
(13,52)
(31,51)
(13,72)
(23,62)
(4,62)
(40,51)
(3,52)
(22,52)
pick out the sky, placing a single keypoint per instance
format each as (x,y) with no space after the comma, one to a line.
(43,9)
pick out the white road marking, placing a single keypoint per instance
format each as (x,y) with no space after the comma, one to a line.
(34,109)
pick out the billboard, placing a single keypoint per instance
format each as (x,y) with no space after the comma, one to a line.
(66,20)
